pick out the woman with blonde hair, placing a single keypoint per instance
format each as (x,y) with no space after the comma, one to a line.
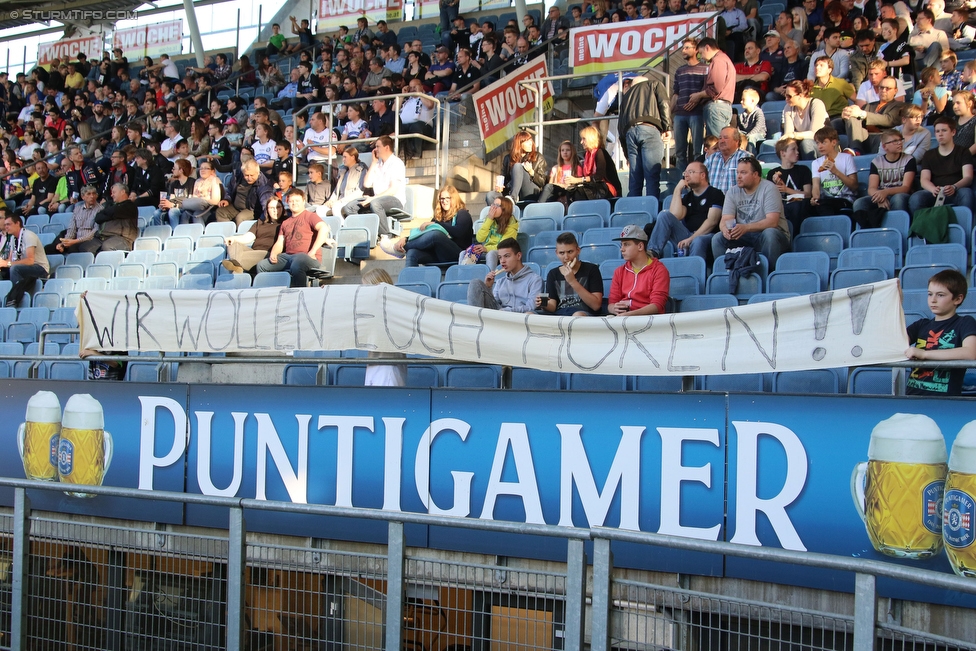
(439,240)
(500,224)
(964,106)
(524,169)
(384,375)
(598,179)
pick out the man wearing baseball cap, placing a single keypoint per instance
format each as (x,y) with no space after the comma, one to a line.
(640,285)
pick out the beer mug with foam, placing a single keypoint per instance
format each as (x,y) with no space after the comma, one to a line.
(85,450)
(959,505)
(38,436)
(898,492)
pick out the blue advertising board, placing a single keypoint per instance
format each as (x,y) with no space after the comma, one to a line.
(779,471)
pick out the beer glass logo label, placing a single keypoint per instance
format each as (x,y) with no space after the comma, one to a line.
(932,503)
(66,453)
(959,523)
(55,444)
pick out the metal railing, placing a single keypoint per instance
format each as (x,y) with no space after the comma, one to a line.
(86,584)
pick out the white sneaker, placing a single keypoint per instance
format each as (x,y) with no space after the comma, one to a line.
(388,244)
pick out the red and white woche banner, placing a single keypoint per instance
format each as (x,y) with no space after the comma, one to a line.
(622,46)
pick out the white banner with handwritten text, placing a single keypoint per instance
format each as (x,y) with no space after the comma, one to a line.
(860,325)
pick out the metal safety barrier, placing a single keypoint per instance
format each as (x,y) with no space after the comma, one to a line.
(89,583)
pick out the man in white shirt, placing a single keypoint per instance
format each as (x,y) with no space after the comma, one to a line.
(387,175)
(416,116)
(168,148)
(23,256)
(867,92)
(318,139)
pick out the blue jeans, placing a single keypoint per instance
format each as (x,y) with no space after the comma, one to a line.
(925,199)
(448,14)
(771,242)
(683,124)
(718,115)
(297,264)
(669,228)
(431,246)
(645,151)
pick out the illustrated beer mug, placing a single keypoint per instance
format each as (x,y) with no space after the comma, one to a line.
(898,492)
(85,449)
(959,506)
(38,436)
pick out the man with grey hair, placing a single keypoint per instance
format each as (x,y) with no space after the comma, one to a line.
(82,226)
(119,222)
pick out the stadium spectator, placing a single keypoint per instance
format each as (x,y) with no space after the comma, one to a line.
(640,285)
(803,117)
(42,194)
(416,117)
(23,258)
(349,188)
(645,118)
(247,194)
(964,105)
(245,251)
(524,169)
(118,222)
(179,188)
(207,192)
(928,42)
(794,182)
(688,125)
(834,92)
(574,288)
(946,170)
(148,180)
(863,125)
(440,240)
(751,121)
(890,182)
(723,165)
(692,215)
(513,288)
(387,176)
(719,90)
(82,226)
(298,247)
(752,71)
(868,90)
(834,176)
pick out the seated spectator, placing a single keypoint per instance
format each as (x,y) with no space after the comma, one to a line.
(500,224)
(317,188)
(929,43)
(752,122)
(466,73)
(298,248)
(794,182)
(82,226)
(349,188)
(803,117)
(440,240)
(513,288)
(179,188)
(148,180)
(691,217)
(43,189)
(831,49)
(723,164)
(932,95)
(946,336)
(24,257)
(834,176)
(864,125)
(387,176)
(835,92)
(118,221)
(440,72)
(574,288)
(640,285)
(245,251)
(753,216)
(246,196)
(962,33)
(524,169)
(276,42)
(567,171)
(599,179)
(383,120)
(195,208)
(948,169)
(963,105)
(890,183)
(753,72)
(917,139)
(792,67)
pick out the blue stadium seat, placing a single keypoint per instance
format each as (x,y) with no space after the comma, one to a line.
(803,281)
(465,272)
(840,224)
(369,221)
(110,258)
(105,271)
(472,377)
(553,209)
(599,253)
(80,259)
(421,376)
(131,270)
(951,254)
(687,275)
(162,232)
(196,281)
(69,271)
(806,382)
(707,302)
(192,231)
(272,279)
(870,381)
(233,281)
(543,255)
(143,371)
(580,222)
(544,238)
(530,378)
(301,374)
(830,243)
(634,210)
(454,291)
(537,225)
(417,288)
(657,383)
(600,235)
(871,238)
(917,276)
(429,276)
(595,382)
(769,297)
(741,382)
(23,333)
(67,371)
(844,278)
(50,300)
(599,207)
(880,257)
(159,282)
